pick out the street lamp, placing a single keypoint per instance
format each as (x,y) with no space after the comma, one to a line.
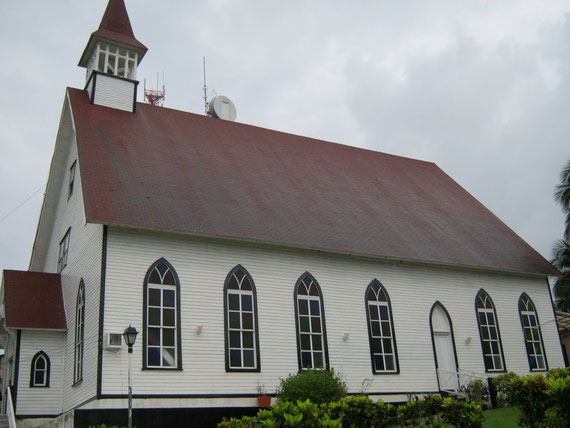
(130,335)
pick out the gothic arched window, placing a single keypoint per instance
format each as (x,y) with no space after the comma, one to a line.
(310,317)
(381,329)
(161,340)
(242,339)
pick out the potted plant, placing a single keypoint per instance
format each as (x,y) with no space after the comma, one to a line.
(263,400)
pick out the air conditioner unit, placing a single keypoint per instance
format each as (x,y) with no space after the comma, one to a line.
(113,341)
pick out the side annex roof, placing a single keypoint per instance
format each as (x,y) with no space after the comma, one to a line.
(33,300)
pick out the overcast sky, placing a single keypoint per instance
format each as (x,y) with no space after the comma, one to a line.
(481,88)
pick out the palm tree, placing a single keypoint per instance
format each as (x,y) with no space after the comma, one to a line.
(562,195)
(561,286)
(561,248)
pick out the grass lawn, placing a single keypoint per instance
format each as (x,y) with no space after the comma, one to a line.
(503,417)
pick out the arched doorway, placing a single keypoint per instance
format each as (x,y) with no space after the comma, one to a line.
(444,348)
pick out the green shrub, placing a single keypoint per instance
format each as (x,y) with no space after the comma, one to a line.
(477,391)
(358,411)
(318,386)
(304,414)
(501,384)
(104,426)
(387,414)
(410,413)
(529,394)
(462,414)
(554,419)
(558,373)
(559,394)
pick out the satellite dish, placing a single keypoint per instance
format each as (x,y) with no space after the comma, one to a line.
(222,108)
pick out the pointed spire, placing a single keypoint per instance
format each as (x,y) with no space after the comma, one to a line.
(115,27)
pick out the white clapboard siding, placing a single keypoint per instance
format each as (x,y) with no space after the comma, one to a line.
(84,261)
(114,92)
(202,266)
(40,401)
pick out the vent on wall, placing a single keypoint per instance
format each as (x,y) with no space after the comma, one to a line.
(113,341)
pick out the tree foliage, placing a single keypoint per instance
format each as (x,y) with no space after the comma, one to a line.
(561,248)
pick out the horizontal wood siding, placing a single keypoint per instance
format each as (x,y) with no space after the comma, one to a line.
(84,262)
(113,92)
(202,266)
(40,401)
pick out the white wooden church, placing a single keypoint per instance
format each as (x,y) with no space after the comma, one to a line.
(243,255)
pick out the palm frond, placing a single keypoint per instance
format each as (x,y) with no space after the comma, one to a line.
(561,255)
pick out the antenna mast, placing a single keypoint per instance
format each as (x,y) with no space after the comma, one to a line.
(155,97)
(205,88)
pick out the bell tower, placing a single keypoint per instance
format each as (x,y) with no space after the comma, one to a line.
(111,58)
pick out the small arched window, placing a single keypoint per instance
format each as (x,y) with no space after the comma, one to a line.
(161,318)
(39,377)
(311,331)
(532,334)
(381,329)
(242,339)
(489,332)
(79,333)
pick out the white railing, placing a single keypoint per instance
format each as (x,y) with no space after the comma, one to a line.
(455,381)
(10,409)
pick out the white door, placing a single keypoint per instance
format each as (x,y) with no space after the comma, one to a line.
(445,355)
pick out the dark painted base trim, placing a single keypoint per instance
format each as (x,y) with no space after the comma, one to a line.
(174,396)
(166,417)
(36,416)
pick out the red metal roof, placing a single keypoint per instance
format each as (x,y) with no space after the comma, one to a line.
(33,300)
(172,170)
(115,26)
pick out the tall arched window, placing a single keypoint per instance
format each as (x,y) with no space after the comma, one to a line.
(161,318)
(489,333)
(242,340)
(310,317)
(381,329)
(79,333)
(39,377)
(532,334)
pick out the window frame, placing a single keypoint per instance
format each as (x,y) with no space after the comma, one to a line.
(63,251)
(323,334)
(499,341)
(33,370)
(71,184)
(392,329)
(79,334)
(227,330)
(533,311)
(177,327)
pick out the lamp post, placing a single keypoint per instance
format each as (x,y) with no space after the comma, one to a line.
(130,335)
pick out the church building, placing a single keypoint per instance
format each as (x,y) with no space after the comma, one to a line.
(242,255)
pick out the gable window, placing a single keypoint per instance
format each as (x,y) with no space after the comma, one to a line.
(381,329)
(79,333)
(63,251)
(310,317)
(242,340)
(532,334)
(71,179)
(161,317)
(39,377)
(489,333)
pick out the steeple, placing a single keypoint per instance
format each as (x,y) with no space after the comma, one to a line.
(111,58)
